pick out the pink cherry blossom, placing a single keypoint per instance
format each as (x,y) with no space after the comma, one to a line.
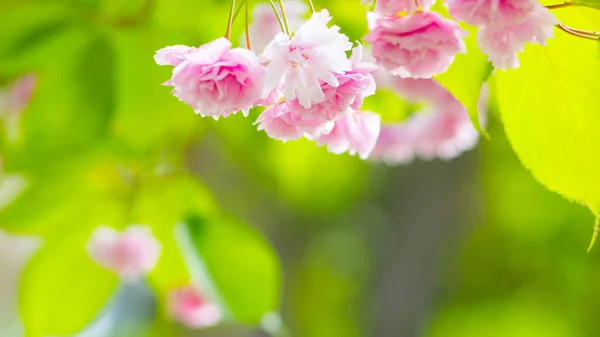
(491,12)
(214,79)
(355,132)
(354,86)
(274,97)
(190,307)
(280,123)
(441,130)
(395,144)
(130,253)
(312,54)
(393,7)
(173,55)
(417,46)
(265,25)
(502,44)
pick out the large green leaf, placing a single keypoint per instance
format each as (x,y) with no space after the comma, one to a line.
(551,112)
(148,117)
(162,204)
(25,27)
(62,289)
(63,194)
(72,116)
(241,266)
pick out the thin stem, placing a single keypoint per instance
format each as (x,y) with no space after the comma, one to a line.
(595,235)
(586,32)
(248,25)
(374,5)
(278,16)
(285,21)
(238,10)
(230,23)
(580,33)
(312,7)
(564,4)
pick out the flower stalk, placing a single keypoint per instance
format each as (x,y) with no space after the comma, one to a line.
(278,16)
(285,20)
(586,34)
(595,235)
(248,45)
(230,21)
(312,6)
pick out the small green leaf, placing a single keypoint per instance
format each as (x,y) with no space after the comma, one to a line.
(466,76)
(162,204)
(31,26)
(62,289)
(550,109)
(73,116)
(241,265)
(590,3)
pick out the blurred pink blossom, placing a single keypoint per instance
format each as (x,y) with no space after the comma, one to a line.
(312,54)
(505,26)
(190,307)
(214,79)
(441,130)
(502,44)
(355,132)
(491,12)
(417,46)
(14,100)
(130,254)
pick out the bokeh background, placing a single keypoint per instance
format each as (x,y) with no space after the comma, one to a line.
(469,247)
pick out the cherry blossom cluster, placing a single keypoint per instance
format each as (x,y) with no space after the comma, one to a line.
(308,85)
(311,81)
(133,253)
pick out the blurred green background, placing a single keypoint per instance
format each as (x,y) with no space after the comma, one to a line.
(469,247)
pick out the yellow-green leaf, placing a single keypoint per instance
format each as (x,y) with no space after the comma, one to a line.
(551,112)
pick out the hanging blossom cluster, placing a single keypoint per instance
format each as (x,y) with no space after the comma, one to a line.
(311,80)
(133,253)
(305,80)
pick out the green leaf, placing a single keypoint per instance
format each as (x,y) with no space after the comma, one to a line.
(147,115)
(466,76)
(62,289)
(241,265)
(61,196)
(72,116)
(162,204)
(551,112)
(26,27)
(590,3)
